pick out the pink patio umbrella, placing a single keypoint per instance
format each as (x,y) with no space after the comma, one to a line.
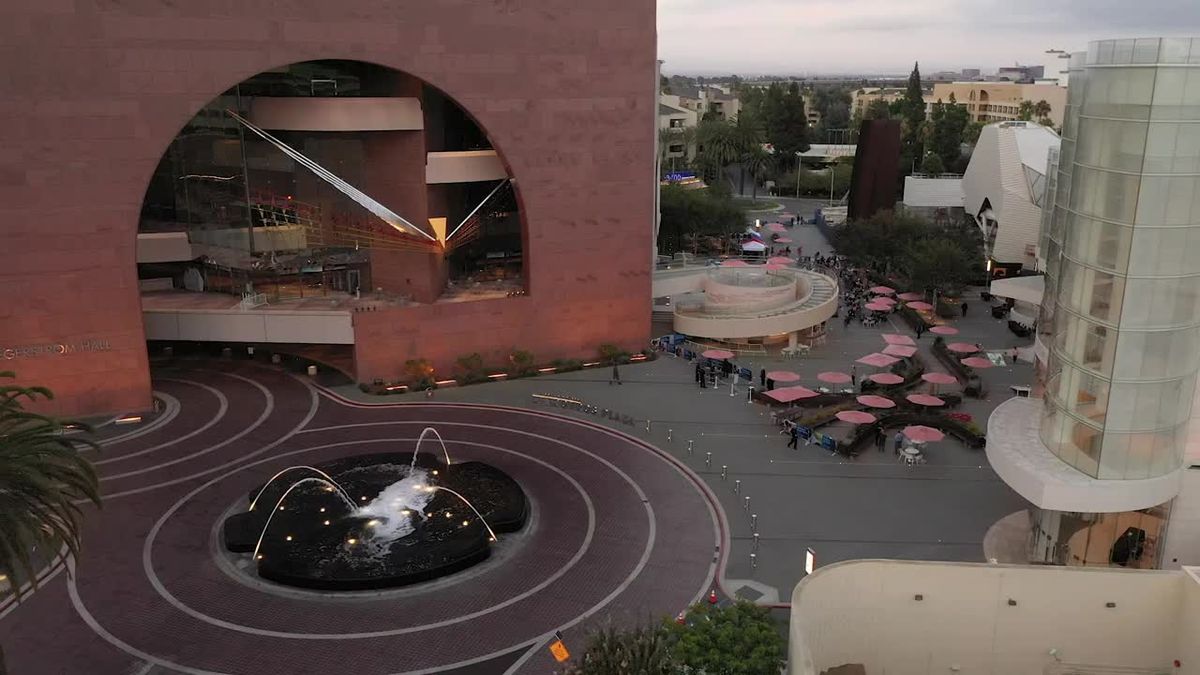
(923,306)
(939,378)
(856,417)
(834,377)
(910,296)
(776,227)
(903,351)
(897,339)
(878,307)
(783,240)
(884,299)
(882,290)
(878,360)
(789,394)
(719,354)
(944,330)
(783,376)
(885,378)
(779,260)
(977,362)
(876,401)
(922,434)
(735,263)
(962,347)
(925,399)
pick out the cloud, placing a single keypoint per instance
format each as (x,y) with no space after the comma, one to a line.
(886,36)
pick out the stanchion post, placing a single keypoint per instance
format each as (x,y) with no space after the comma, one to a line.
(754,561)
(724,471)
(691,451)
(755,541)
(746,504)
(669,433)
(754,522)
(708,460)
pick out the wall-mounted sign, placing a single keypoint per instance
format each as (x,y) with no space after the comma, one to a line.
(54,349)
(677,176)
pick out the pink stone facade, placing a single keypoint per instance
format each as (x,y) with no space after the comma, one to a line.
(95,91)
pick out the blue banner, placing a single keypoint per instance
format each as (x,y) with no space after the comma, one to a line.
(677,176)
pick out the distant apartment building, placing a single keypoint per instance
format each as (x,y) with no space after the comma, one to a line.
(677,145)
(1000,101)
(970,74)
(1024,74)
(718,100)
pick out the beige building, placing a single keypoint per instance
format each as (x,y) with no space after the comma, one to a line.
(862,98)
(999,101)
(877,617)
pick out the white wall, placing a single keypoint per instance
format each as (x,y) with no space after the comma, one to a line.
(346,113)
(866,612)
(279,326)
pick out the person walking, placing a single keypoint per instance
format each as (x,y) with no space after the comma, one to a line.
(880,438)
(854,376)
(898,441)
(616,376)
(964,309)
(795,437)
(762,378)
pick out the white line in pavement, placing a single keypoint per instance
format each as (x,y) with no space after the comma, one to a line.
(224,406)
(267,410)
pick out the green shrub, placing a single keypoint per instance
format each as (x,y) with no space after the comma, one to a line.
(420,373)
(471,367)
(566,365)
(521,363)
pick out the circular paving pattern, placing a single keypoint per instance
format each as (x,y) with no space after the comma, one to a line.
(620,530)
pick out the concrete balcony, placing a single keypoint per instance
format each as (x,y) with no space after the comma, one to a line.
(358,113)
(1016,453)
(468,166)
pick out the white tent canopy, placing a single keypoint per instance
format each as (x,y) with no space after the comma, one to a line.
(754,246)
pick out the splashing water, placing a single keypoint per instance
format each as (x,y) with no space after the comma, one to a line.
(392,511)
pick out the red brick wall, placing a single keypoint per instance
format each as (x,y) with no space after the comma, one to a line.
(94,92)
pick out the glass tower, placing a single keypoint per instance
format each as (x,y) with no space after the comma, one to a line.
(1122,280)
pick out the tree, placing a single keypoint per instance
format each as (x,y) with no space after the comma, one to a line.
(945,129)
(972,131)
(420,373)
(932,164)
(1025,111)
(720,145)
(877,109)
(687,215)
(471,366)
(738,639)
(755,162)
(939,264)
(1041,110)
(42,477)
(642,650)
(913,109)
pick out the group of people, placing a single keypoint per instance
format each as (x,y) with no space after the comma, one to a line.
(708,370)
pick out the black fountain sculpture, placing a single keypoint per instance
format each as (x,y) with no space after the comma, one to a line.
(375,521)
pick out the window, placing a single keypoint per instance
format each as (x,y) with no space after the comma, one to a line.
(675,147)
(676,123)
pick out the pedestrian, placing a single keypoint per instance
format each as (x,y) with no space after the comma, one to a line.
(880,438)
(898,440)
(964,309)
(616,376)
(700,377)
(795,437)
(762,378)
(920,330)
(854,375)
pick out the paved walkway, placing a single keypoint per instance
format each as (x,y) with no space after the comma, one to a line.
(618,530)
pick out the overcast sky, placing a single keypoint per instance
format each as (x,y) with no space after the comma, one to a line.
(886,36)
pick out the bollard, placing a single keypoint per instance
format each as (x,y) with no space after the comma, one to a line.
(737,486)
(690,451)
(724,471)
(755,541)
(750,395)
(754,522)
(647,425)
(746,504)
(312,371)
(732,392)
(708,460)
(754,561)
(669,432)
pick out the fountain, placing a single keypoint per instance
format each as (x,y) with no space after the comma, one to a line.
(377,520)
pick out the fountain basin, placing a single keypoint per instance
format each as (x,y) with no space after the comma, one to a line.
(315,540)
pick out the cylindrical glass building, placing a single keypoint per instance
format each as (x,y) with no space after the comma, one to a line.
(1123,281)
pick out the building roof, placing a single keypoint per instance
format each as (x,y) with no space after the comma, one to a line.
(934,192)
(664,109)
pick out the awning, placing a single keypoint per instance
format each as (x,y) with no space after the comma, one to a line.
(1022,289)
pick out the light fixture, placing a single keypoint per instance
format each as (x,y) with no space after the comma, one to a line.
(259,556)
(281,508)
(288,538)
(327,522)
(447,514)
(362,498)
(322,509)
(352,541)
(465,523)
(435,472)
(372,523)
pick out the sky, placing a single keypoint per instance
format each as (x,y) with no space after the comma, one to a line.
(886,36)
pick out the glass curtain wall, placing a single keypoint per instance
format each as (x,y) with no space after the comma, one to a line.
(1123,297)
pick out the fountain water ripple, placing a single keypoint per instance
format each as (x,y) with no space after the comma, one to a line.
(275,510)
(395,505)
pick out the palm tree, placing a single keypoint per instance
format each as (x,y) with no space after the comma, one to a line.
(721,142)
(1041,110)
(755,162)
(42,477)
